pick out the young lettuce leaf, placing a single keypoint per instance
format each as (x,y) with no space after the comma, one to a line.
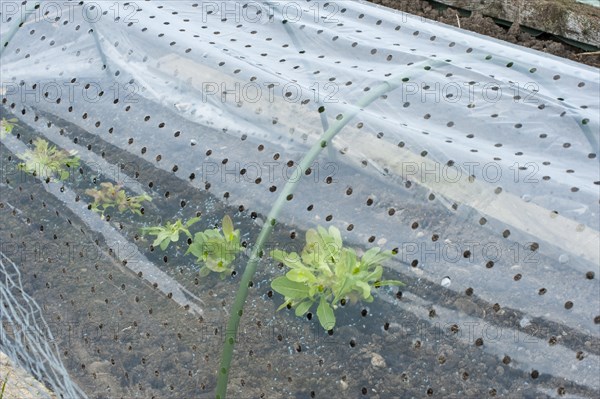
(327,272)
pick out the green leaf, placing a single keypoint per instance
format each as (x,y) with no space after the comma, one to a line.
(284,305)
(349,260)
(303,307)
(227,227)
(377,258)
(325,315)
(342,289)
(192,221)
(301,275)
(336,236)
(197,246)
(291,260)
(370,255)
(152,230)
(366,288)
(340,268)
(322,232)
(162,236)
(279,255)
(6,126)
(374,275)
(314,245)
(290,289)
(217,264)
(312,237)
(164,245)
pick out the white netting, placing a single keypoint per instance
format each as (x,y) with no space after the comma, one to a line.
(25,336)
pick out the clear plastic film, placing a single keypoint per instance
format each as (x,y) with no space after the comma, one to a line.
(480,166)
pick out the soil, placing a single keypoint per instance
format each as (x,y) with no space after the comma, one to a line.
(481,24)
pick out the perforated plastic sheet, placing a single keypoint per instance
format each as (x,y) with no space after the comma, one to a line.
(480,166)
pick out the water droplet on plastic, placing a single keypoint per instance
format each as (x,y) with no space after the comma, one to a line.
(446,282)
(193,142)
(526,197)
(564,258)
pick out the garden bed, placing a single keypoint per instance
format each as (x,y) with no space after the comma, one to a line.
(473,161)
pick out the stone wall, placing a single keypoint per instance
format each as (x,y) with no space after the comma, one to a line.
(565,18)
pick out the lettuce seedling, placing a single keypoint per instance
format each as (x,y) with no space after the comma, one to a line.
(112,195)
(46,161)
(170,232)
(6,126)
(327,272)
(215,249)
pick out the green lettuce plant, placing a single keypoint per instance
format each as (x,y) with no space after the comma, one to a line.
(327,272)
(112,195)
(6,126)
(170,232)
(47,161)
(215,249)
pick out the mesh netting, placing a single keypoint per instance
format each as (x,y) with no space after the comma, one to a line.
(25,336)
(476,161)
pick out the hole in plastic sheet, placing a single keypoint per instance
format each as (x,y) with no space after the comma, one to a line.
(589,275)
